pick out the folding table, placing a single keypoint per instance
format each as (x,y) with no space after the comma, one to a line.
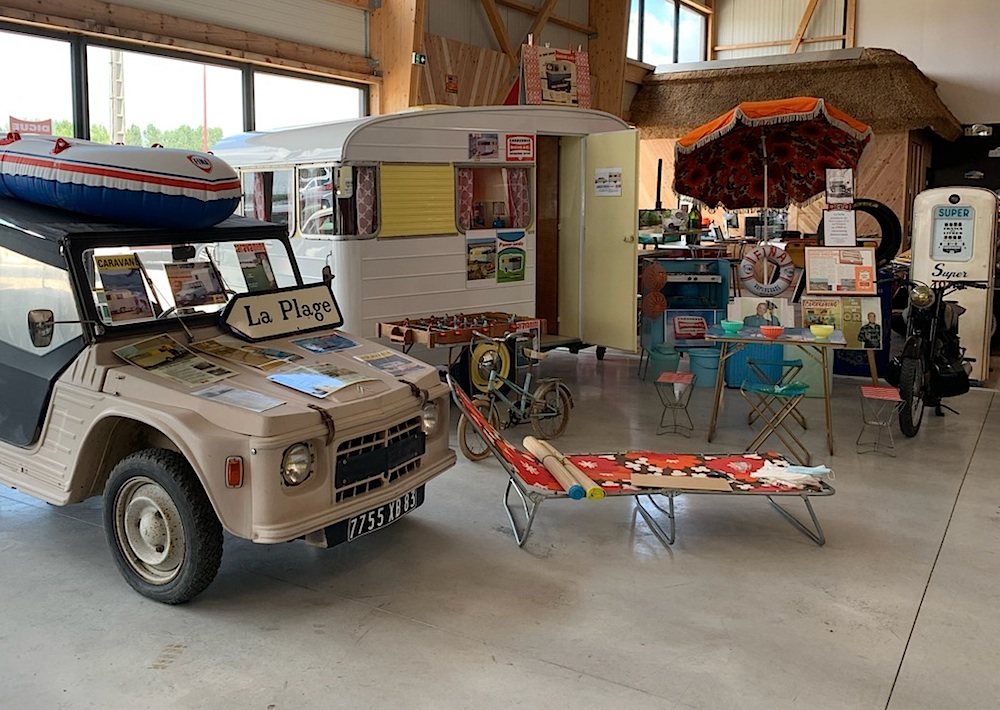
(801,338)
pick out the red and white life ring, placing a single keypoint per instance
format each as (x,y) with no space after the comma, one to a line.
(781,260)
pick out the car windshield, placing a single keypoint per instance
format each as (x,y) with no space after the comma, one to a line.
(132,284)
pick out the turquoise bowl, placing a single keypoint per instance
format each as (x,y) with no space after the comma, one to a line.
(732,327)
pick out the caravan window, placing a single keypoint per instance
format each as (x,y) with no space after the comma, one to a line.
(493,197)
(337,200)
(265,195)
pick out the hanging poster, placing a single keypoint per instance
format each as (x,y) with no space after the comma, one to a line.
(194,283)
(839,186)
(755,312)
(481,256)
(608,182)
(124,287)
(484,146)
(256,266)
(849,272)
(511,256)
(520,148)
(555,76)
(821,311)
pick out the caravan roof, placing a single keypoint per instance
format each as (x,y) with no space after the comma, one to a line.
(432,135)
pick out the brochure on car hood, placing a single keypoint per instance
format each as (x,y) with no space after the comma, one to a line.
(164,356)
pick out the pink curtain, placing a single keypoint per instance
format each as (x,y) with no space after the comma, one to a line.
(464,198)
(517,196)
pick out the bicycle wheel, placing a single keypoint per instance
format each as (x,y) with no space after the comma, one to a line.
(470,441)
(550,411)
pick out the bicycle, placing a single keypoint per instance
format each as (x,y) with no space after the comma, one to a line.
(547,407)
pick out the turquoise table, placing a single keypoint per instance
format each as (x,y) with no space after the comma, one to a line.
(802,338)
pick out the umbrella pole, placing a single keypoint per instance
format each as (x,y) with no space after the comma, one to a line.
(767,228)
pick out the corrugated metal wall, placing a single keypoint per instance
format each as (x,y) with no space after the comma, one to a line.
(751,21)
(314,22)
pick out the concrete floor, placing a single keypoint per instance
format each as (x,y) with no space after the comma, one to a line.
(443,610)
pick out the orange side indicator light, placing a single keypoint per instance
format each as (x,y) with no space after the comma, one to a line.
(234,471)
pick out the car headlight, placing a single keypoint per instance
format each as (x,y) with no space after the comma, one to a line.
(430,417)
(296,464)
(921,296)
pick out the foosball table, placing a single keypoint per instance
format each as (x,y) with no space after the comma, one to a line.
(456,329)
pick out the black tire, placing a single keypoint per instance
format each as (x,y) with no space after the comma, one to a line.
(162,530)
(473,446)
(550,411)
(888,222)
(911,389)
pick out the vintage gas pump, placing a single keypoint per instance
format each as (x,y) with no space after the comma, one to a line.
(955,239)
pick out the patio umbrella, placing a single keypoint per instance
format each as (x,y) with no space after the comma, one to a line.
(767,153)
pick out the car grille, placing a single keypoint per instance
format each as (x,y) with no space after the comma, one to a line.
(368,462)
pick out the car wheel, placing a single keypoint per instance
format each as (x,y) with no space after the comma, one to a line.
(162,530)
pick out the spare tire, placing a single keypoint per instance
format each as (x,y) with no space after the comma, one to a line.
(888,222)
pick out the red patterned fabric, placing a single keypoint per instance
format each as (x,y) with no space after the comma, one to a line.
(465,182)
(722,162)
(613,472)
(517,196)
(365,196)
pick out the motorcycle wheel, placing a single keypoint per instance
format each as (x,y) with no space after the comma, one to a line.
(911,390)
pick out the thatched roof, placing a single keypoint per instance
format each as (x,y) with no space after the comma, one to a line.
(878,86)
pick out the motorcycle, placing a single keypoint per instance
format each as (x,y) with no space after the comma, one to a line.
(932,364)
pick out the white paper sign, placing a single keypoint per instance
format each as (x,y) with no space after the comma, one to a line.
(256,316)
(839,228)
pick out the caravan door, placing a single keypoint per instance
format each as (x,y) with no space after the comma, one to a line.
(611,228)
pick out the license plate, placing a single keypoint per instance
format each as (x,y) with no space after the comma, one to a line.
(374,519)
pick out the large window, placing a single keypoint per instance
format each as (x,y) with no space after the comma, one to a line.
(143,98)
(666,32)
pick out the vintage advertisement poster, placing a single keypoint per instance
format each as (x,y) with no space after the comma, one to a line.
(755,312)
(164,356)
(839,186)
(821,311)
(862,323)
(226,351)
(326,343)
(484,146)
(511,255)
(194,283)
(481,256)
(849,272)
(555,76)
(608,182)
(256,266)
(124,287)
(520,147)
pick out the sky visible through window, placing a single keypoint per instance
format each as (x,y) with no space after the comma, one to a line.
(658,33)
(162,92)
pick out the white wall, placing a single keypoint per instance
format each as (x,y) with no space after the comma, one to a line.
(955,43)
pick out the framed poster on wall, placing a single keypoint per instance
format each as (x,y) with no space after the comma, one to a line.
(840,272)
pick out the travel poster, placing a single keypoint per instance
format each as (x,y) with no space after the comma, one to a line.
(124,287)
(256,266)
(194,283)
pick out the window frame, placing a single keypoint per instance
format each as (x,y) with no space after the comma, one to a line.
(639,6)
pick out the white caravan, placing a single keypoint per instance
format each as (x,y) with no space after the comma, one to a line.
(404,209)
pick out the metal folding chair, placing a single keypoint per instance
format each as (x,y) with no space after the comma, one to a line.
(674,390)
(787,370)
(879,408)
(773,404)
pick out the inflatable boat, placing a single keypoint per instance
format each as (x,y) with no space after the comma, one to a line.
(161,187)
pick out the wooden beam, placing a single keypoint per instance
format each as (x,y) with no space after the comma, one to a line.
(776,43)
(527,9)
(543,16)
(699,6)
(803,26)
(851,24)
(500,30)
(636,72)
(397,31)
(153,29)
(607,54)
(365,5)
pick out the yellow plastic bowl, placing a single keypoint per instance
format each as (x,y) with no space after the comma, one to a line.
(822,332)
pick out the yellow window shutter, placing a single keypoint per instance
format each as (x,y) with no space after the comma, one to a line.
(417,200)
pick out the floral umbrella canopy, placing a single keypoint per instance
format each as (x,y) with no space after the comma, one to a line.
(786,145)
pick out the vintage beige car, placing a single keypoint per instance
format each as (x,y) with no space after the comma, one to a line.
(249,412)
